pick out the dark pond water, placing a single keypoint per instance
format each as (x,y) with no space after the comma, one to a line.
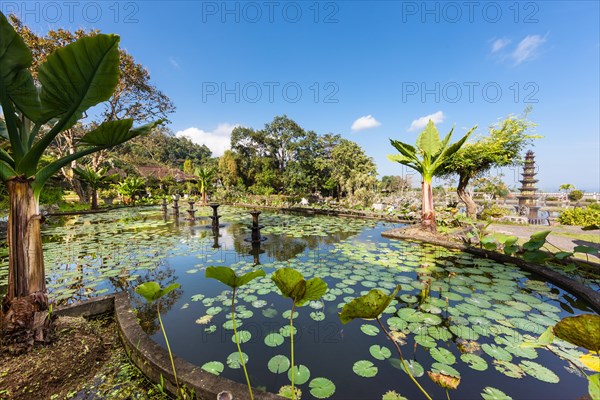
(470,323)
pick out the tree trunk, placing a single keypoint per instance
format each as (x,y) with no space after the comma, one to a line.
(427,210)
(94,198)
(24,315)
(465,196)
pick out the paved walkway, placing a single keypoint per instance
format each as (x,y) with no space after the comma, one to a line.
(560,236)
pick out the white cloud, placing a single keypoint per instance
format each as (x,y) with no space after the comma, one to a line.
(174,62)
(499,44)
(366,122)
(421,122)
(527,48)
(217,140)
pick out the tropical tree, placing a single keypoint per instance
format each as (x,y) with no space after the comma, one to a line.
(427,158)
(95,180)
(205,176)
(70,81)
(131,187)
(501,148)
(351,168)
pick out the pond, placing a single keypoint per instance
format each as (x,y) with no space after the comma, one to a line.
(455,313)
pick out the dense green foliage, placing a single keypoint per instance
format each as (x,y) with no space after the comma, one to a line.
(575,195)
(580,216)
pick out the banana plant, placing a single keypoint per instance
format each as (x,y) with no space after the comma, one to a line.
(95,180)
(427,158)
(205,177)
(73,79)
(227,276)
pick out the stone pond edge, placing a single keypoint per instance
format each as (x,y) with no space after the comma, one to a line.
(566,283)
(152,359)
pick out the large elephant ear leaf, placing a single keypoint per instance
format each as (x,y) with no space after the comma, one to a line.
(369,306)
(246,278)
(429,141)
(222,274)
(113,133)
(15,79)
(79,76)
(582,330)
(315,289)
(288,280)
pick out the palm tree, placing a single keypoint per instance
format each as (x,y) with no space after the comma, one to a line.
(95,180)
(205,177)
(73,79)
(427,158)
(131,187)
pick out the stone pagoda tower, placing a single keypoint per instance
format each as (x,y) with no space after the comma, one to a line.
(528,197)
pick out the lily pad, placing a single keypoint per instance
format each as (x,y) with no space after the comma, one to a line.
(496,352)
(474,361)
(214,367)
(243,336)
(369,329)
(233,360)
(442,355)
(413,366)
(539,372)
(365,368)
(380,352)
(321,388)
(444,369)
(278,364)
(490,393)
(301,374)
(274,339)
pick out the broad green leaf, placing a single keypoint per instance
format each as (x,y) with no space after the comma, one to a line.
(364,368)
(414,367)
(321,388)
(428,140)
(538,371)
(301,374)
(474,361)
(545,339)
(380,352)
(227,276)
(214,367)
(533,245)
(535,256)
(79,76)
(392,395)
(490,393)
(274,339)
(233,360)
(582,330)
(585,249)
(291,283)
(243,336)
(496,352)
(369,329)
(540,236)
(369,306)
(279,364)
(441,368)
(442,355)
(561,255)
(151,291)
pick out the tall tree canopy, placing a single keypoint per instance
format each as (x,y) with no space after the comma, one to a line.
(501,148)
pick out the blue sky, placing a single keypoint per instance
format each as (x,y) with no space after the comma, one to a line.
(382,67)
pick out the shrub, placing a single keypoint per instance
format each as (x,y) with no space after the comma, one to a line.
(551,198)
(575,195)
(51,195)
(580,216)
(494,211)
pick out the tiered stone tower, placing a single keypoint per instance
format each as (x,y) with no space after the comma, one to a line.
(528,197)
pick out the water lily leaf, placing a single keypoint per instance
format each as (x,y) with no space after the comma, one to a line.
(151,291)
(369,306)
(243,336)
(392,395)
(380,352)
(291,283)
(538,371)
(444,369)
(301,374)
(509,369)
(442,355)
(278,364)
(286,391)
(413,366)
(591,361)
(496,352)
(274,339)
(321,388)
(233,360)
(364,368)
(227,276)
(474,361)
(444,381)
(490,393)
(582,330)
(269,312)
(369,329)
(214,367)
